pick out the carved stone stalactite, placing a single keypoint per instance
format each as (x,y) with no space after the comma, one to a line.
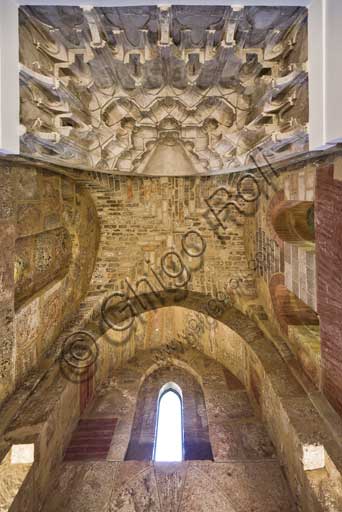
(163,90)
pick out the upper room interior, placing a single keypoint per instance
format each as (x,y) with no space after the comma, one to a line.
(127,129)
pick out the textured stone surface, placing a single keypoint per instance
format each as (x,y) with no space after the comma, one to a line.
(231,419)
(237,436)
(40,259)
(16,490)
(163,90)
(300,261)
(238,440)
(287,273)
(170,479)
(49,238)
(7,243)
(306,344)
(176,487)
(249,485)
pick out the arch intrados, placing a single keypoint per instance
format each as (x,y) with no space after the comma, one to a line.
(170,386)
(229,315)
(172,361)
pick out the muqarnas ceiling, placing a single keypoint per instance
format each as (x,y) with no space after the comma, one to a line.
(163,90)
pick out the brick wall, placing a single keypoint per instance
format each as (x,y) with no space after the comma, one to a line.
(141,218)
(329,276)
(300,263)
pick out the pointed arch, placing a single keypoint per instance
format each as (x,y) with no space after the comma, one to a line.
(195,430)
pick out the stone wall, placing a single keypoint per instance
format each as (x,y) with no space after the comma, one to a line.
(165,487)
(50,240)
(7,314)
(143,218)
(245,473)
(300,262)
(48,418)
(286,282)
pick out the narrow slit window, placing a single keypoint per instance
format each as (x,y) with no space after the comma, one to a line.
(169,431)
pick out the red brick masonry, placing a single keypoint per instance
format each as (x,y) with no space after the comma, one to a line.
(328,219)
(91,439)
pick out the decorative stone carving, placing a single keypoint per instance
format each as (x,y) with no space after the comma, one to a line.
(163,90)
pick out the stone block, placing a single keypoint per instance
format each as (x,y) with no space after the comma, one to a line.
(313,457)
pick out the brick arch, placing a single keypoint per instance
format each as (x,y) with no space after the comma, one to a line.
(176,362)
(272,210)
(196,432)
(249,335)
(223,311)
(288,308)
(292,221)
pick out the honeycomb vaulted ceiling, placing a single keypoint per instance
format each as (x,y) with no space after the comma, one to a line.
(163,90)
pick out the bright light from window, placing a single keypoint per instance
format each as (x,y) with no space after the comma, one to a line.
(169,442)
